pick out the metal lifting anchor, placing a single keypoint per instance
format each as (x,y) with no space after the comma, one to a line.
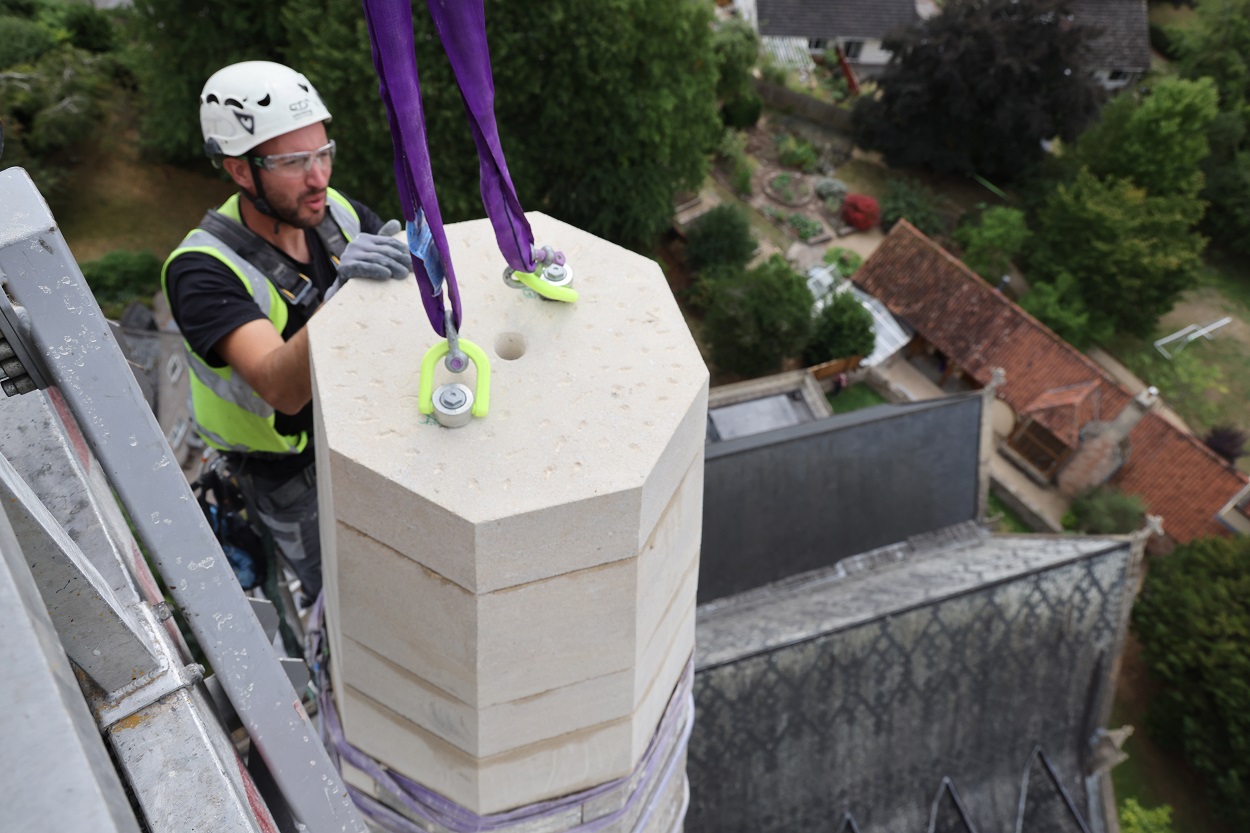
(552,280)
(454,404)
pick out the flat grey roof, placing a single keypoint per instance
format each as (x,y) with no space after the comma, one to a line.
(755,416)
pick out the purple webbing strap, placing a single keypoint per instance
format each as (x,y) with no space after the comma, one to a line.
(434,808)
(461,26)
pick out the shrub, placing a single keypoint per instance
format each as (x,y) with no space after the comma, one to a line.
(122,276)
(733,150)
(771,71)
(861,211)
(846,260)
(828,188)
(721,237)
(757,318)
(1135,818)
(1192,619)
(742,111)
(805,227)
(775,214)
(916,203)
(1227,441)
(794,152)
(1105,511)
(22,41)
(842,328)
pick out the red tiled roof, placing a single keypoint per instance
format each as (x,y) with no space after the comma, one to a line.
(979,329)
(1064,410)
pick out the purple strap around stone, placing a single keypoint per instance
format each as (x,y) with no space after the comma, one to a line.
(433,808)
(461,26)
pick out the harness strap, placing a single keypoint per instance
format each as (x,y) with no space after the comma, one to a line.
(294,285)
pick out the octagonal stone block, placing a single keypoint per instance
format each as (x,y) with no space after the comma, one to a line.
(517,595)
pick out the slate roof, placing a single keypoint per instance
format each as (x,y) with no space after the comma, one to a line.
(980,328)
(868,19)
(1123,41)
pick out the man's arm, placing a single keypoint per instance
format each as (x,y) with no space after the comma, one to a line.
(277,370)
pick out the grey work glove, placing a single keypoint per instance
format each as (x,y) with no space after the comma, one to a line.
(376,256)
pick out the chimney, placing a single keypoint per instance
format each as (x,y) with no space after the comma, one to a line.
(510,603)
(1104,447)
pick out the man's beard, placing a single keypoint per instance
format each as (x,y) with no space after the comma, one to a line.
(291,216)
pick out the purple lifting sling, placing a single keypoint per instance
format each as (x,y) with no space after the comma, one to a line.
(461,26)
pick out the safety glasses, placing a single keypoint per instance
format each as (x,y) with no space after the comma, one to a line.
(296,164)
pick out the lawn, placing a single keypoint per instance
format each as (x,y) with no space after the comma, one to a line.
(1008,521)
(855,398)
(1208,381)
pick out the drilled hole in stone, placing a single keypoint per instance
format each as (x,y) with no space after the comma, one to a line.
(510,346)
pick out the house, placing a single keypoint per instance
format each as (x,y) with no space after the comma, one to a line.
(1074,425)
(858,26)
(1120,48)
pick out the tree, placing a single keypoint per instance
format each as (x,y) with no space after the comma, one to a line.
(1217,46)
(1158,142)
(721,237)
(993,243)
(757,318)
(51,89)
(977,88)
(736,50)
(1058,305)
(1131,254)
(1193,622)
(842,328)
(606,108)
(178,45)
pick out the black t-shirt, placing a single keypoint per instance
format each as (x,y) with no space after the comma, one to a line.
(209,302)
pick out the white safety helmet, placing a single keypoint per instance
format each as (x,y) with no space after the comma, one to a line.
(248,103)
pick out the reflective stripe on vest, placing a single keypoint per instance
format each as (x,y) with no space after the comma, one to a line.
(228,413)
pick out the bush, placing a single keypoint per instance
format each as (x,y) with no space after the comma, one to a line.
(721,237)
(794,152)
(846,260)
(828,188)
(842,328)
(733,150)
(121,277)
(775,214)
(742,111)
(911,200)
(861,211)
(1135,818)
(1192,620)
(1105,511)
(757,318)
(805,227)
(22,41)
(1227,441)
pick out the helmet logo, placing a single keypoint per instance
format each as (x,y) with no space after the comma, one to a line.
(303,104)
(247,121)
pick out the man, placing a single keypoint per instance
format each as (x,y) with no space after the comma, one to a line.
(244,284)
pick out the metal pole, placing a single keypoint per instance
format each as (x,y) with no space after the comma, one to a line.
(71,337)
